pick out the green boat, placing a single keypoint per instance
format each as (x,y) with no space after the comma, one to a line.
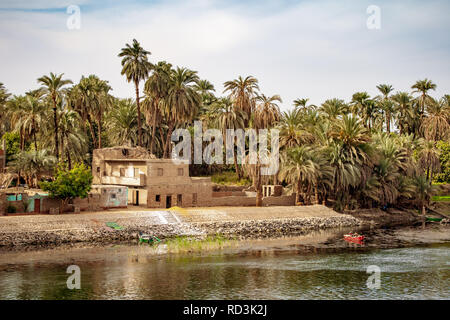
(146,238)
(434,219)
(114,226)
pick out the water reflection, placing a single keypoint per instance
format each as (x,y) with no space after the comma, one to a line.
(407,273)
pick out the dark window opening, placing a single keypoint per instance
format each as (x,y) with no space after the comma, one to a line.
(158,198)
(194,198)
(179,199)
(98,169)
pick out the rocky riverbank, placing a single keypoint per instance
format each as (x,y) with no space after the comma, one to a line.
(39,232)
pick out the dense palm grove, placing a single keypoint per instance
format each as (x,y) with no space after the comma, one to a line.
(370,151)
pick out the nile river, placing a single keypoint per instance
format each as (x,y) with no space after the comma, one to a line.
(122,273)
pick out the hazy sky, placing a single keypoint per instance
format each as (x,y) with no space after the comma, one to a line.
(315,49)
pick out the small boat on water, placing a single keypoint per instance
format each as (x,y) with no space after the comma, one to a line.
(353,237)
(147,238)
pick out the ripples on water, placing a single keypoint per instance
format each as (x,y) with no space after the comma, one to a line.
(407,273)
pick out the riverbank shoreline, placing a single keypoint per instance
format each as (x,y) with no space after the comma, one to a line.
(40,232)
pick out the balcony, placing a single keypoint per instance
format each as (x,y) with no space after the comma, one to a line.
(125,181)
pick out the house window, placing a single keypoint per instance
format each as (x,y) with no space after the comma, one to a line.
(179,199)
(158,198)
(98,169)
(113,195)
(180,171)
(194,198)
(160,172)
(122,172)
(120,190)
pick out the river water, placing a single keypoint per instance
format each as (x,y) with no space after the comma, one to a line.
(124,272)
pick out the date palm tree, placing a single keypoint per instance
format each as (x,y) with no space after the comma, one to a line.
(243,92)
(333,108)
(267,112)
(182,102)
(53,90)
(31,116)
(226,116)
(156,89)
(422,87)
(122,122)
(386,104)
(436,124)
(299,169)
(404,107)
(136,67)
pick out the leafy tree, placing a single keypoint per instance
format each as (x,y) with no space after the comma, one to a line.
(69,184)
(444,159)
(12,141)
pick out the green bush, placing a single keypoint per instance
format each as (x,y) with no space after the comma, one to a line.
(229,178)
(444,159)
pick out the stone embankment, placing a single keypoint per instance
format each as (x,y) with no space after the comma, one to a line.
(49,231)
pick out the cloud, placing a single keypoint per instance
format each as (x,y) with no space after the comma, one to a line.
(315,49)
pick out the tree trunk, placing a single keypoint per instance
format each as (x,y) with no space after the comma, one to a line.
(34,135)
(168,141)
(136,83)
(388,122)
(55,123)
(69,159)
(236,166)
(316,194)
(91,130)
(100,129)
(297,196)
(155,116)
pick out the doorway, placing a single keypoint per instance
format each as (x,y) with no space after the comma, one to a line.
(37,205)
(137,197)
(168,201)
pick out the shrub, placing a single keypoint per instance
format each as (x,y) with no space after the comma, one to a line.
(11,209)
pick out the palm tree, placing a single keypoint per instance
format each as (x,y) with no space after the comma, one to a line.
(300,103)
(156,90)
(4,95)
(365,107)
(386,104)
(429,158)
(136,67)
(405,117)
(267,112)
(332,108)
(53,88)
(292,133)
(299,169)
(436,124)
(90,98)
(32,165)
(72,137)
(243,92)
(182,102)
(31,116)
(122,122)
(422,87)
(423,192)
(225,116)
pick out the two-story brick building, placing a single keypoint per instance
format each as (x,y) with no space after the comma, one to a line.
(156,183)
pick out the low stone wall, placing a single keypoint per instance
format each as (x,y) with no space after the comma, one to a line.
(246,201)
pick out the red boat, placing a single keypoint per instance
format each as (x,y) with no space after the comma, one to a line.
(354,237)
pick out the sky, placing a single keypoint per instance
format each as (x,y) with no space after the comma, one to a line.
(316,49)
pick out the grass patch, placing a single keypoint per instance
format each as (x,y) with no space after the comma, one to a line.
(229,178)
(191,245)
(440,198)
